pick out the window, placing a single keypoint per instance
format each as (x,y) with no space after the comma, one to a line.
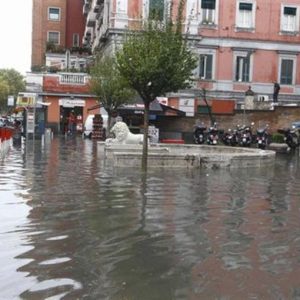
(289,19)
(75,40)
(245,15)
(242,73)
(208,10)
(287,71)
(54,14)
(206,66)
(53,37)
(156,9)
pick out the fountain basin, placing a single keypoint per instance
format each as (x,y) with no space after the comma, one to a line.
(185,156)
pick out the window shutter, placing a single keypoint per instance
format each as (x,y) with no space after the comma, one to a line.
(202,66)
(237,71)
(209,59)
(286,76)
(208,4)
(156,9)
(246,69)
(292,11)
(245,6)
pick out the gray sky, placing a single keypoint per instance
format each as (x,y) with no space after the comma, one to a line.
(15,34)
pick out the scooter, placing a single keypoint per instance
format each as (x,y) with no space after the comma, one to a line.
(245,137)
(230,137)
(212,135)
(291,136)
(262,137)
(199,134)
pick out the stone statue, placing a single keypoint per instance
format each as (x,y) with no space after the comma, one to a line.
(123,135)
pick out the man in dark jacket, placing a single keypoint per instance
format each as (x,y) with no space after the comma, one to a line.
(276,91)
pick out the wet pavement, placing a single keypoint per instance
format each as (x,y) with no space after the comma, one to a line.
(74,228)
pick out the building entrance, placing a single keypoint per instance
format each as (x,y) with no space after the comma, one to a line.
(71,119)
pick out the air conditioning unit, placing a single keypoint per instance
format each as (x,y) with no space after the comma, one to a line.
(263,98)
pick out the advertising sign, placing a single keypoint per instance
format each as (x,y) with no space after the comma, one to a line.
(153,134)
(26,99)
(10,101)
(30,120)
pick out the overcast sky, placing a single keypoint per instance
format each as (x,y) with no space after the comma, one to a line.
(15,34)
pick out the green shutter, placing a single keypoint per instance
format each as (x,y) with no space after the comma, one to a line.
(291,11)
(245,6)
(208,4)
(203,109)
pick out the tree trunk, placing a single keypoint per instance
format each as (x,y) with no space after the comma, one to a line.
(108,124)
(145,142)
(212,121)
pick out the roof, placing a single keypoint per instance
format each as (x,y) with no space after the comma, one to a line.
(156,108)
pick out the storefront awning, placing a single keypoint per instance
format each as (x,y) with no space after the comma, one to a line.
(156,108)
(44,103)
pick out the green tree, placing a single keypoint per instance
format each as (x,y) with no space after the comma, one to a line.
(4,92)
(107,83)
(156,61)
(11,83)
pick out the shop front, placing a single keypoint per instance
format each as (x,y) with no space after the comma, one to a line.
(71,111)
(64,110)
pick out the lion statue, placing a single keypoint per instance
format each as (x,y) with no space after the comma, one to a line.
(123,135)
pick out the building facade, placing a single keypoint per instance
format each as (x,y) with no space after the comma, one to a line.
(57,31)
(59,61)
(63,93)
(238,43)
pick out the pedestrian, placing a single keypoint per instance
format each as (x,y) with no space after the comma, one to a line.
(72,123)
(276,91)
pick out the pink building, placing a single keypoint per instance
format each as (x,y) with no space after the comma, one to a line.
(239,43)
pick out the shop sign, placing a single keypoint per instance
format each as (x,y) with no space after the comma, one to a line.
(26,99)
(138,112)
(71,102)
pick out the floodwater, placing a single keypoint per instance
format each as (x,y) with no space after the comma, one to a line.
(73,228)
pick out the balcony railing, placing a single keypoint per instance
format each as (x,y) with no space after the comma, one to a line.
(69,78)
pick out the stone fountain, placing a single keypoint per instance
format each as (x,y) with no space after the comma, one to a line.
(126,151)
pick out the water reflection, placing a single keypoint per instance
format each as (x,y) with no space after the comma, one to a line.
(73,228)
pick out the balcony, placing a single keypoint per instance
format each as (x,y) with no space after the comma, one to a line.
(72,78)
(98,6)
(86,8)
(91,19)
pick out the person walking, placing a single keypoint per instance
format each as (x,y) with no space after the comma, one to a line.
(72,123)
(276,91)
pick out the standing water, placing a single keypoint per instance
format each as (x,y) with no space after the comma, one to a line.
(74,228)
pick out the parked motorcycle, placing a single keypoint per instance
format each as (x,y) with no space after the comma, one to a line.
(262,137)
(213,135)
(245,137)
(291,136)
(200,134)
(230,137)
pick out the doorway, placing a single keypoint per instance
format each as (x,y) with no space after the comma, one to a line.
(64,118)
